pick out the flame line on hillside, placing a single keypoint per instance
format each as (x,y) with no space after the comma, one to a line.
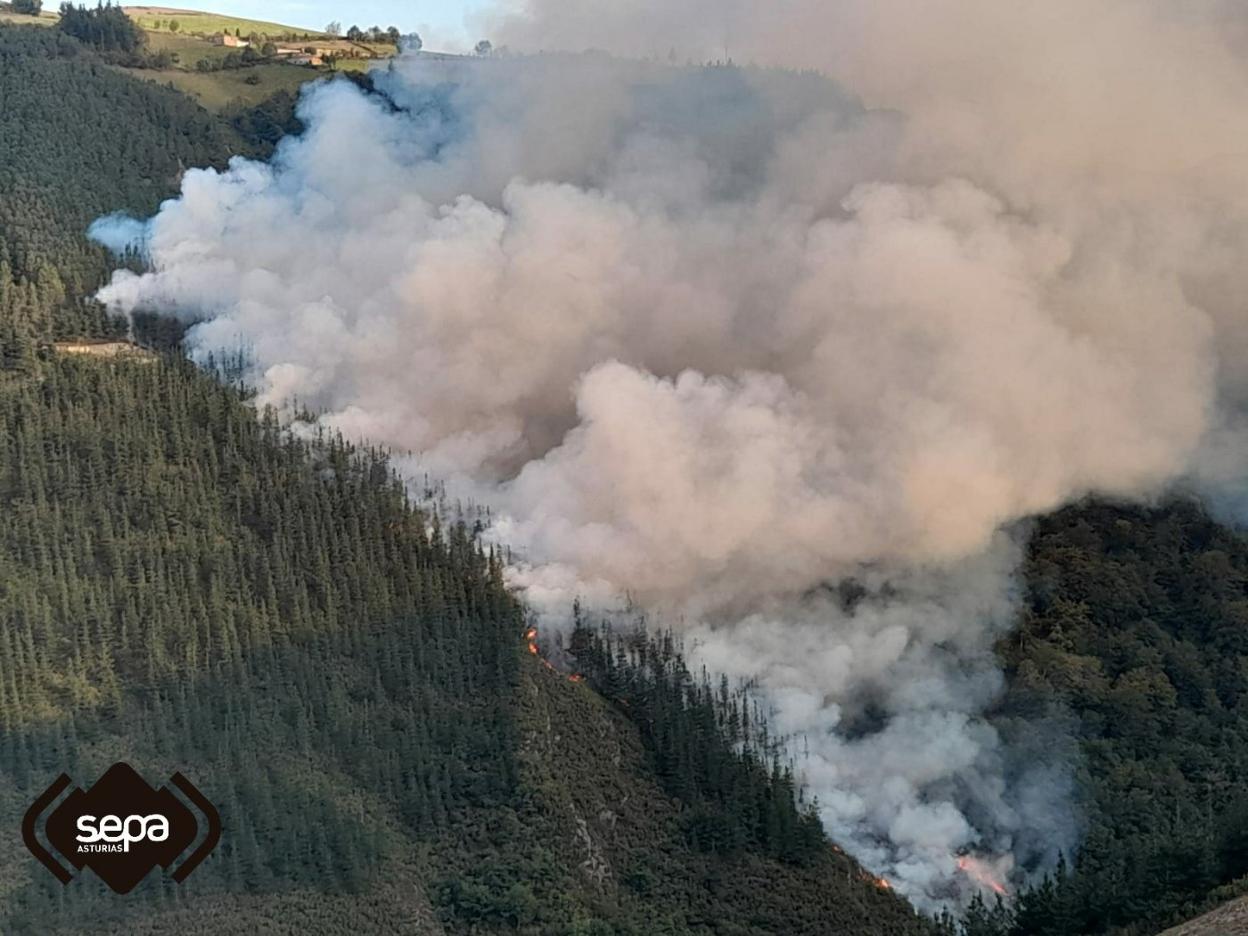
(978,872)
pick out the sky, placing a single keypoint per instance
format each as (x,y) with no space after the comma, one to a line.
(442,24)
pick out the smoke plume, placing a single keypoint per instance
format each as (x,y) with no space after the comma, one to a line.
(720,338)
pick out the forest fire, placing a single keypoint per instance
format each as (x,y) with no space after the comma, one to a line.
(881,883)
(980,872)
(531,636)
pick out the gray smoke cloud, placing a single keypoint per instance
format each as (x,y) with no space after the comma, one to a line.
(717,339)
(118,232)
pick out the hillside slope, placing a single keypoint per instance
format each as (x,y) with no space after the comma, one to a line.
(159,18)
(593,787)
(186,587)
(352,692)
(1135,640)
(1231,919)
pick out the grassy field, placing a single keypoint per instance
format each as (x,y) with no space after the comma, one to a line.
(155,20)
(193,21)
(216,90)
(354,65)
(188,49)
(8,16)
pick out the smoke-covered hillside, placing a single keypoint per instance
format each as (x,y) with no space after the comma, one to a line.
(807,367)
(187,587)
(714,340)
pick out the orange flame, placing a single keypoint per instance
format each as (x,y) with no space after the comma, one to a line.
(531,636)
(882,884)
(576,677)
(979,872)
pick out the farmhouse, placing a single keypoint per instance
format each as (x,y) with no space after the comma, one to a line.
(229,41)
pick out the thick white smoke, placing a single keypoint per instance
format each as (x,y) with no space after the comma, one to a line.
(721,338)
